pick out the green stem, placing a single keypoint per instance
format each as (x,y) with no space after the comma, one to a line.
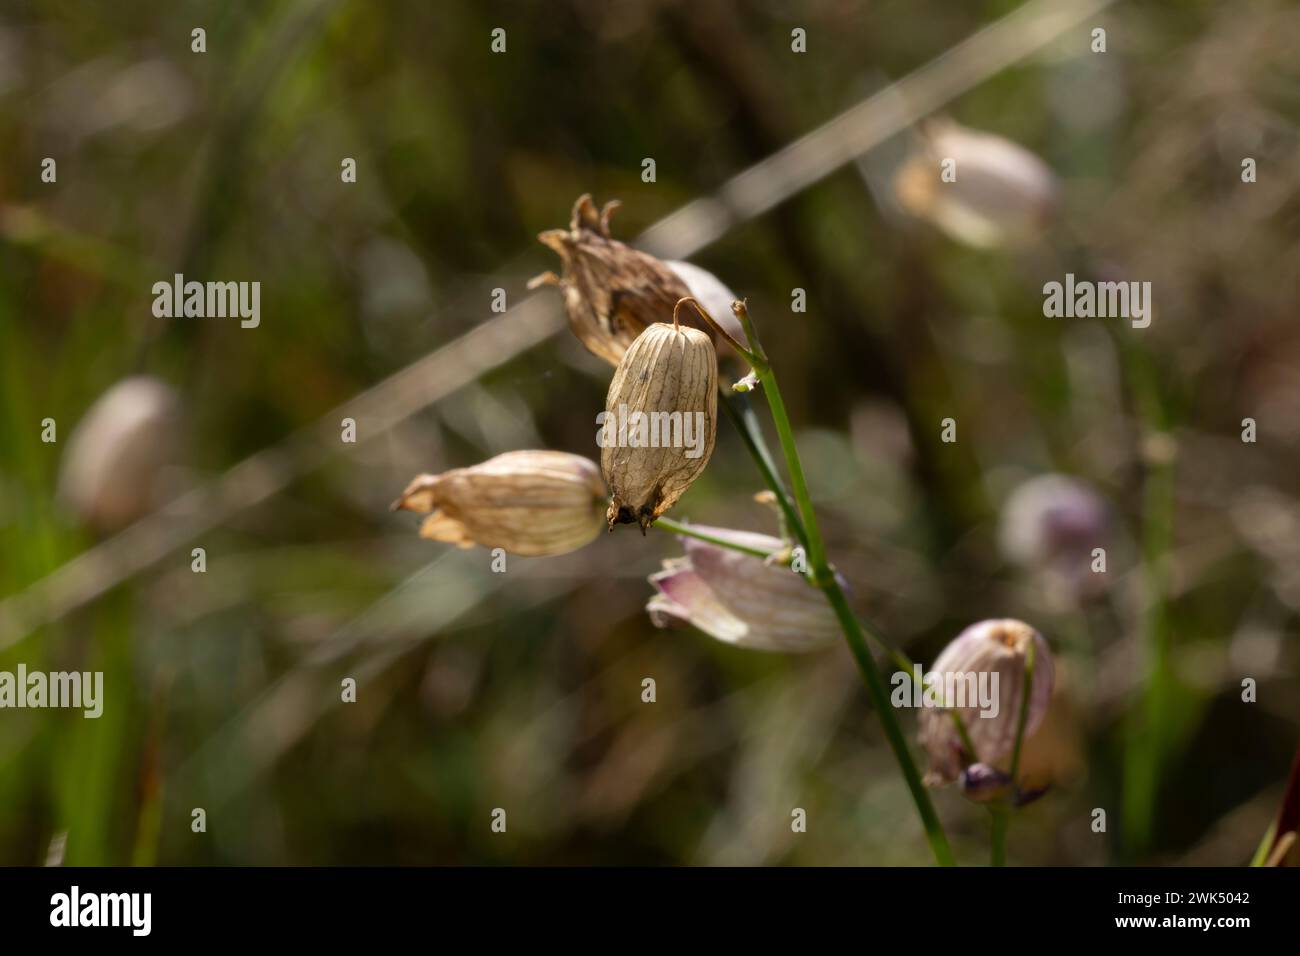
(1001,812)
(824,578)
(1148,733)
(742,416)
(1023,720)
(1001,815)
(1261,852)
(689,531)
(964,734)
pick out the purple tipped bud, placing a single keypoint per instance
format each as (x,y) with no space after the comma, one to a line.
(980,677)
(1050,524)
(982,783)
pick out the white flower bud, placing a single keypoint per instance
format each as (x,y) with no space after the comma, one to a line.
(1002,193)
(110,473)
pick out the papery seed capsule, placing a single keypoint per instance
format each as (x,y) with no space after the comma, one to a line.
(660,422)
(998,192)
(986,658)
(111,472)
(739,598)
(527,502)
(612,292)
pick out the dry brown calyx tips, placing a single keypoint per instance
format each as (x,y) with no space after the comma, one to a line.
(660,422)
(612,292)
(527,502)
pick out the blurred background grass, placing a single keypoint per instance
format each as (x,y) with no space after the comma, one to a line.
(522,690)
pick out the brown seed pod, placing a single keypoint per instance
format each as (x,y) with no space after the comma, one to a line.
(660,422)
(527,502)
(612,292)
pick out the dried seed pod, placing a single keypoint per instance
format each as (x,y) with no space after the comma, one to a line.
(1002,193)
(660,421)
(612,292)
(110,473)
(527,502)
(741,599)
(989,650)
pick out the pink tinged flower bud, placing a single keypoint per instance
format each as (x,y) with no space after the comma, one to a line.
(110,474)
(1052,516)
(982,650)
(1051,525)
(995,192)
(527,502)
(741,599)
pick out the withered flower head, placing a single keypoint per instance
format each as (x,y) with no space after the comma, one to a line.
(527,502)
(612,292)
(739,598)
(995,647)
(660,422)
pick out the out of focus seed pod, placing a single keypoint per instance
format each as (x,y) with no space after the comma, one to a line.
(661,419)
(526,502)
(1002,193)
(110,474)
(1050,525)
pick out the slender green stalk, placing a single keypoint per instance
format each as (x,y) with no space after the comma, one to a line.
(824,578)
(964,734)
(1261,852)
(690,531)
(1023,720)
(1149,734)
(1000,811)
(1000,815)
(743,418)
